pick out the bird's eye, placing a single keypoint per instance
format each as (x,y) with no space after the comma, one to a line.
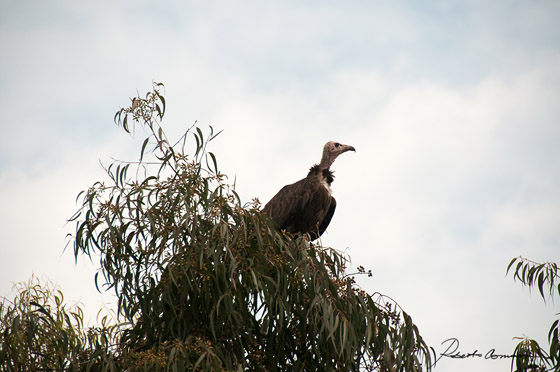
(336,144)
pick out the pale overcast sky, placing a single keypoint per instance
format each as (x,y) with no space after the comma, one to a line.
(452,106)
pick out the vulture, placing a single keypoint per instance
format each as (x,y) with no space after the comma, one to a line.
(307,206)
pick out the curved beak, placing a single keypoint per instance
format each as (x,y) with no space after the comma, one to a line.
(347,148)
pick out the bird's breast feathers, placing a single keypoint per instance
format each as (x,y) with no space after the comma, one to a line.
(325,183)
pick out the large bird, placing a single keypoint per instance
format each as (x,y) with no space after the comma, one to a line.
(307,206)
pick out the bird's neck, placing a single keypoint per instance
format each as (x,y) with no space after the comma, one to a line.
(326,161)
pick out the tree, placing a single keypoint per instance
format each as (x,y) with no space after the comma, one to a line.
(206,283)
(38,332)
(530,356)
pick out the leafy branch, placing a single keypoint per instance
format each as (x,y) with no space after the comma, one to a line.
(545,277)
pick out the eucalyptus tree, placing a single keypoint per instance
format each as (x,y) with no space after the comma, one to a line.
(205,282)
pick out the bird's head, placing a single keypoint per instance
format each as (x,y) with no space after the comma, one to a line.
(331,150)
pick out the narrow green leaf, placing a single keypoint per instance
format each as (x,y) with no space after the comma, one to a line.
(42,310)
(553,330)
(214,161)
(159,112)
(144,148)
(200,134)
(162,99)
(510,264)
(125,123)
(541,284)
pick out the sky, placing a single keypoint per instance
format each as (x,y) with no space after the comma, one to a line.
(452,106)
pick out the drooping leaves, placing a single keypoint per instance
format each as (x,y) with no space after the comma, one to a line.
(205,283)
(546,277)
(38,332)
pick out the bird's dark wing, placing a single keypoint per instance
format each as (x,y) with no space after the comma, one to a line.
(303,207)
(327,220)
(288,202)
